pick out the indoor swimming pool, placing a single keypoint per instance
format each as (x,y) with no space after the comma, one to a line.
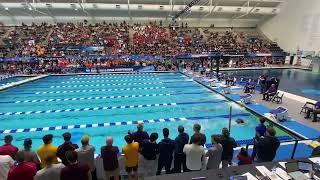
(111,104)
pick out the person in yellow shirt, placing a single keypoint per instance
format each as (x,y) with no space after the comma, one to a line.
(46,149)
(131,155)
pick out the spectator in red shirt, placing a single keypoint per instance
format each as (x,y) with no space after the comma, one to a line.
(75,170)
(8,148)
(22,169)
(66,146)
(243,157)
(109,154)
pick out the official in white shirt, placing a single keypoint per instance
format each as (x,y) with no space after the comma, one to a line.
(194,153)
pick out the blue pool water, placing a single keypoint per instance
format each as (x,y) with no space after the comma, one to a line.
(104,105)
(300,82)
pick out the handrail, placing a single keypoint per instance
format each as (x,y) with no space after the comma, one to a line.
(296,142)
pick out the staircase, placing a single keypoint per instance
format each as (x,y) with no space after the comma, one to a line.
(263,36)
(205,38)
(47,37)
(131,32)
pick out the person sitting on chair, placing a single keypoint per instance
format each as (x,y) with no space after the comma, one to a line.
(270,92)
(230,80)
(315,111)
(250,86)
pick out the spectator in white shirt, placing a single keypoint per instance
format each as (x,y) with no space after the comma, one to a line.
(5,163)
(50,171)
(194,153)
(86,155)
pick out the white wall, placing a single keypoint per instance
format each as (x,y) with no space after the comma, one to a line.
(296,25)
(17,20)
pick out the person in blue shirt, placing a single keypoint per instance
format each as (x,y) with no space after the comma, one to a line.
(179,157)
(149,150)
(196,129)
(249,86)
(270,92)
(228,144)
(260,132)
(139,135)
(261,128)
(166,147)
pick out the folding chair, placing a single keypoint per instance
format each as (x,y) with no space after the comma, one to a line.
(307,106)
(278,98)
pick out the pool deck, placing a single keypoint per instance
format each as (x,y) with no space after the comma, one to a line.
(296,121)
(266,67)
(13,84)
(293,106)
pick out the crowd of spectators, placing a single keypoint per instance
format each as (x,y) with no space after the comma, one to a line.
(151,38)
(69,161)
(187,40)
(114,38)
(63,66)
(25,41)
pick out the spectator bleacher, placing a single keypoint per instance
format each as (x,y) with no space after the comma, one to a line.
(114,39)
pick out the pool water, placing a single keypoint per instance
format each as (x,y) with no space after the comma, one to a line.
(300,82)
(110,105)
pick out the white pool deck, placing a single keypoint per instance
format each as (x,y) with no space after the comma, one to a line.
(13,84)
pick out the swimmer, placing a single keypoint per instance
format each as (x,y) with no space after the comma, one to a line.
(240,122)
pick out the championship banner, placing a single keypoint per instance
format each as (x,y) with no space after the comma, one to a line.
(139,57)
(122,69)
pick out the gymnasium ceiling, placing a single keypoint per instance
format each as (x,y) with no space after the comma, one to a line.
(210,9)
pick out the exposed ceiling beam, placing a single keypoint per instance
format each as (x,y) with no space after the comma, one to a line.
(186,9)
(35,8)
(8,13)
(51,14)
(82,7)
(129,11)
(215,5)
(248,12)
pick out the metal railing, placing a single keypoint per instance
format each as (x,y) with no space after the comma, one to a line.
(295,145)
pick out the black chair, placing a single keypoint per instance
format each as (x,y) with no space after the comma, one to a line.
(270,97)
(277,98)
(307,106)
